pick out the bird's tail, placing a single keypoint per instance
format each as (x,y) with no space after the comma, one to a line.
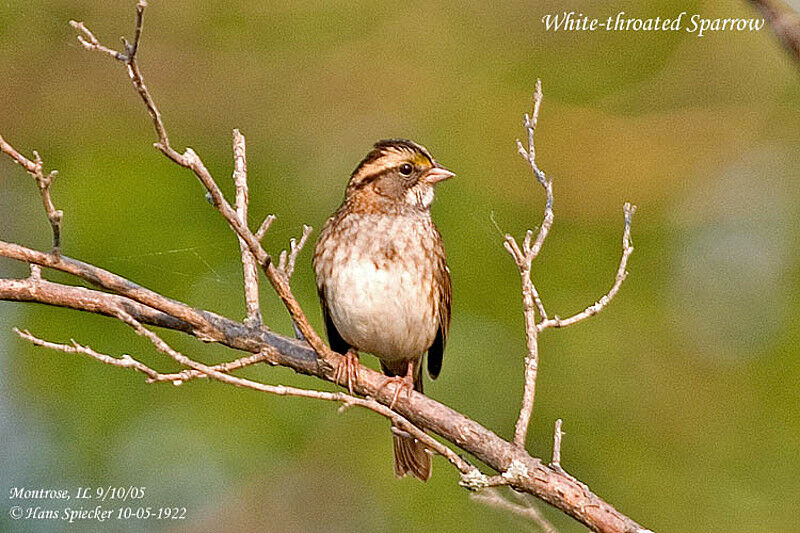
(410,456)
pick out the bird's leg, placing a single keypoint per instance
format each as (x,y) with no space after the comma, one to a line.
(401,383)
(347,370)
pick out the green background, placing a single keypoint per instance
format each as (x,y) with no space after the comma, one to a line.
(680,400)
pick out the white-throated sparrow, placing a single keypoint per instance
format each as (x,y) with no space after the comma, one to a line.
(382,278)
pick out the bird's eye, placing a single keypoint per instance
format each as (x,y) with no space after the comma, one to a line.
(406,169)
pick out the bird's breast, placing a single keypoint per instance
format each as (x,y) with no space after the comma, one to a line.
(378,282)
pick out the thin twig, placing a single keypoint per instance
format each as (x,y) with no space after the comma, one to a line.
(286,264)
(249,269)
(126,361)
(287,261)
(622,273)
(153,376)
(557,434)
(90,42)
(524,258)
(493,498)
(36,169)
(178,378)
(264,227)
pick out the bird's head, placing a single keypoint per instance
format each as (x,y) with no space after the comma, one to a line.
(396,173)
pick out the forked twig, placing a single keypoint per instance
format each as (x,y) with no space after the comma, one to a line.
(36,169)
(532,302)
(288,259)
(622,273)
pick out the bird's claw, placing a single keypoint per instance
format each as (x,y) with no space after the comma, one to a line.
(347,370)
(401,384)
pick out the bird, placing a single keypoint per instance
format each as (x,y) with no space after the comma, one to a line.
(382,277)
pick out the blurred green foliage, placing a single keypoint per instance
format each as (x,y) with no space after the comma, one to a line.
(679,401)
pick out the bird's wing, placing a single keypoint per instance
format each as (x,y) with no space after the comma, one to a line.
(335,340)
(436,351)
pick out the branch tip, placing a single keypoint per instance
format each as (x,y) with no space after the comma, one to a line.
(264,227)
(43,182)
(557,435)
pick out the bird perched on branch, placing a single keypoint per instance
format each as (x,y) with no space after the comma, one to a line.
(382,277)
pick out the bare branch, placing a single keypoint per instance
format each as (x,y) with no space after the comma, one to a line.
(137,35)
(249,269)
(36,169)
(346,399)
(524,257)
(286,265)
(219,372)
(622,273)
(531,301)
(521,471)
(126,361)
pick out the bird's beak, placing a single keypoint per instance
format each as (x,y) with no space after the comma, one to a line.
(437,174)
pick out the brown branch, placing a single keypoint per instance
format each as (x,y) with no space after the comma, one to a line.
(36,169)
(249,269)
(528,474)
(785,24)
(220,373)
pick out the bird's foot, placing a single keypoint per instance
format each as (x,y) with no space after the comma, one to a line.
(401,383)
(347,370)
